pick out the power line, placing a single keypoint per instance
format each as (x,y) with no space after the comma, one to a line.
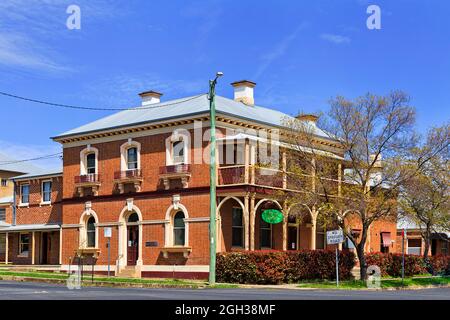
(50,156)
(92,108)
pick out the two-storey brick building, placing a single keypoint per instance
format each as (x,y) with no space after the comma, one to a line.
(139,180)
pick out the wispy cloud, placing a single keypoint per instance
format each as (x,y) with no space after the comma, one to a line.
(25,151)
(335,38)
(121,90)
(30,27)
(279,50)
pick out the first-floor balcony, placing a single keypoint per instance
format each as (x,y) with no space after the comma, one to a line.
(91,181)
(128,177)
(180,172)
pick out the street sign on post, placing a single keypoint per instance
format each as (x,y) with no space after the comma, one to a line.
(336,237)
(108,233)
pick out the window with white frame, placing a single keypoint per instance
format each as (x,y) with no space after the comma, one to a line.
(179,229)
(46,191)
(414,246)
(132,158)
(2,214)
(178,152)
(91,167)
(90,233)
(24,244)
(24,193)
(237,228)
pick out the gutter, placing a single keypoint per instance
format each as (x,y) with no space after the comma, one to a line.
(14,204)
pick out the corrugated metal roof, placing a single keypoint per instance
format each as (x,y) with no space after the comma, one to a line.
(30,227)
(185,107)
(40,173)
(10,164)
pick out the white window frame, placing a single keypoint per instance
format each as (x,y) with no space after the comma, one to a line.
(83,160)
(169,240)
(174,228)
(86,215)
(24,204)
(179,135)
(43,193)
(124,155)
(24,253)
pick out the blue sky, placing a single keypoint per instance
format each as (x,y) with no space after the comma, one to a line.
(300,53)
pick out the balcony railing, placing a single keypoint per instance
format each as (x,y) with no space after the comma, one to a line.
(231,175)
(175,169)
(269,177)
(87,179)
(134,174)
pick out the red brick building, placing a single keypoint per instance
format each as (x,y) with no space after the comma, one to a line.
(139,180)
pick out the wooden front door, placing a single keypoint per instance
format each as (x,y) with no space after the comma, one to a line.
(292,238)
(132,245)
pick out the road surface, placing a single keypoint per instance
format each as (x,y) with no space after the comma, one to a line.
(11,290)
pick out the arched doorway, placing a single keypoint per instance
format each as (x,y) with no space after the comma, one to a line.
(299,232)
(132,239)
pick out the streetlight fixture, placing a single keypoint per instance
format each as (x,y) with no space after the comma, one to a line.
(212,181)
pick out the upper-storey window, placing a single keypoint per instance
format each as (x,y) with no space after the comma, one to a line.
(90,164)
(178,152)
(132,158)
(2,214)
(4,182)
(88,161)
(46,191)
(24,193)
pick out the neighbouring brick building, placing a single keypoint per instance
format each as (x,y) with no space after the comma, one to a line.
(139,180)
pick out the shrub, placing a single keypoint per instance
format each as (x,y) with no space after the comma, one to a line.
(274,267)
(390,264)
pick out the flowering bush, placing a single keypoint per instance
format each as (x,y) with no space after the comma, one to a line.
(390,264)
(273,267)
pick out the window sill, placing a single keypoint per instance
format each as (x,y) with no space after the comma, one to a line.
(45,204)
(176,249)
(24,205)
(22,255)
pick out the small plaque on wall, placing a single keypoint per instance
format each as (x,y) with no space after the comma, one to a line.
(151,244)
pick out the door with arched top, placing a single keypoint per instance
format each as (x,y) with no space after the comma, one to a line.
(132,239)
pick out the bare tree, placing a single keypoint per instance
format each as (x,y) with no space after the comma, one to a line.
(425,197)
(376,135)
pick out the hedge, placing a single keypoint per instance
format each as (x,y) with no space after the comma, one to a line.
(390,264)
(275,267)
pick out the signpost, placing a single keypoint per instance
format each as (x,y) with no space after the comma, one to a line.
(336,237)
(107,234)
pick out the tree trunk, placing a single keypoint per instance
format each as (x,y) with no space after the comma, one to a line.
(362,260)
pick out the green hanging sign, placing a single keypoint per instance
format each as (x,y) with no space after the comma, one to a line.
(272,216)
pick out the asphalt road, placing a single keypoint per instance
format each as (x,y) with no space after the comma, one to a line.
(10,290)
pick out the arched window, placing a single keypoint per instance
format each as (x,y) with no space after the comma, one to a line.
(265,233)
(132,158)
(90,230)
(178,152)
(237,228)
(133,217)
(91,164)
(179,229)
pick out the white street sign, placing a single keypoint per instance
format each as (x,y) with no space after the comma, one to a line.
(108,232)
(335,236)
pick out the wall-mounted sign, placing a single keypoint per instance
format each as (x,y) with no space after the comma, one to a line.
(272,216)
(107,232)
(151,244)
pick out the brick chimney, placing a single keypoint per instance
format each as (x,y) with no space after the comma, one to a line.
(243,92)
(307,117)
(150,97)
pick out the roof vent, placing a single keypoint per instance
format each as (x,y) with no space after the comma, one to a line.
(243,92)
(150,97)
